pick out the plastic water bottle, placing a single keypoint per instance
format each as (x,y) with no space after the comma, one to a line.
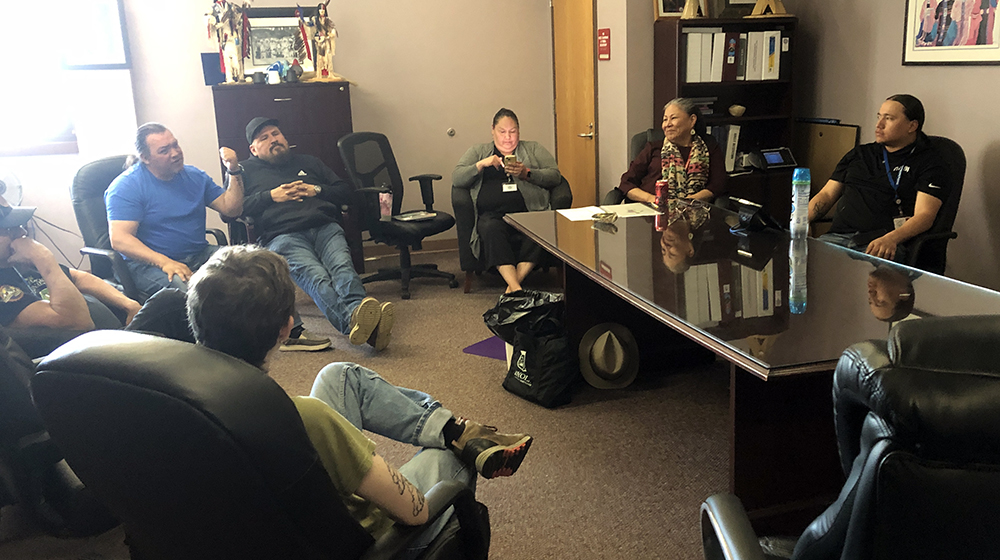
(798,258)
(801,185)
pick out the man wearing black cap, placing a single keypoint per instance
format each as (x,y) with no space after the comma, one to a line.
(35,291)
(295,201)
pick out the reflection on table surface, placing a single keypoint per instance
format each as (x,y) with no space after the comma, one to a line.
(689,264)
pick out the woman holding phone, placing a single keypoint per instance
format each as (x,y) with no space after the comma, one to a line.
(506,175)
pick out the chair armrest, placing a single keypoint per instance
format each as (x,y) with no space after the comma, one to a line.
(441,497)
(427,189)
(917,242)
(120,269)
(465,220)
(220,238)
(561,195)
(726,533)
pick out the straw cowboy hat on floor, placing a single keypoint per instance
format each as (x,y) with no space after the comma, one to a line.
(609,356)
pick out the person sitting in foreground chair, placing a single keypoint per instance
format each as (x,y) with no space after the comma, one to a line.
(240,303)
(888,191)
(504,176)
(694,167)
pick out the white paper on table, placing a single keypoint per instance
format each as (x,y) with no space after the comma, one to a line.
(631,210)
(580,214)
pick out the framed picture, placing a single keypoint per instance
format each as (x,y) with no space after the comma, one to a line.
(732,8)
(669,8)
(274,36)
(950,32)
(101,41)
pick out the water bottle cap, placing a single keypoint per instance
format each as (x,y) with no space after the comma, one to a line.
(801,174)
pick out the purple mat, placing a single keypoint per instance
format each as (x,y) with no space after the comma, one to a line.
(492,347)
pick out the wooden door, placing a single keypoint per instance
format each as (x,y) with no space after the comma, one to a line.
(575,86)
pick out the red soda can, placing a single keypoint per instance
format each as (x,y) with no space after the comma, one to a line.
(662,192)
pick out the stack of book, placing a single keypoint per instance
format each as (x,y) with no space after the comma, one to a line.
(720,292)
(717,56)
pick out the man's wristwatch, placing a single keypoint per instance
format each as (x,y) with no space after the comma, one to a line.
(318,188)
(239,170)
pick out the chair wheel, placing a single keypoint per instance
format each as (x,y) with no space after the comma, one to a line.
(453,284)
(405,295)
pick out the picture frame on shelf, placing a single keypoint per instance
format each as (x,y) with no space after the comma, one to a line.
(274,35)
(733,8)
(970,41)
(669,8)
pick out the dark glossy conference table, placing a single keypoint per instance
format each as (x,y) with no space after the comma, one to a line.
(783,459)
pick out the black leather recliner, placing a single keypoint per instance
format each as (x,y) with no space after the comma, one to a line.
(560,197)
(204,456)
(918,428)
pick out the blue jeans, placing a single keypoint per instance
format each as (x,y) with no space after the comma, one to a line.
(847,240)
(371,403)
(320,262)
(150,279)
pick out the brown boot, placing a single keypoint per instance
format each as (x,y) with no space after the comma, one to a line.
(492,454)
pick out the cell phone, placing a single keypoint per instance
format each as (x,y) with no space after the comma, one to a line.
(508,160)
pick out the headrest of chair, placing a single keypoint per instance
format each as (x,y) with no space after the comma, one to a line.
(942,390)
(93,179)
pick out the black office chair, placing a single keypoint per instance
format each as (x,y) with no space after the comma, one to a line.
(372,169)
(929,250)
(87,195)
(918,430)
(204,456)
(560,197)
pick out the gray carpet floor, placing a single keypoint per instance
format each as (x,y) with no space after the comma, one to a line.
(614,474)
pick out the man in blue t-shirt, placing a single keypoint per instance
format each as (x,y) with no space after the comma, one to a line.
(156,210)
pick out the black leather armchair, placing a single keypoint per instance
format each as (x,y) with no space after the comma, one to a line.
(87,195)
(918,429)
(204,456)
(372,169)
(560,197)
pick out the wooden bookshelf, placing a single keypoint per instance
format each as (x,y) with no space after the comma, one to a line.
(768,120)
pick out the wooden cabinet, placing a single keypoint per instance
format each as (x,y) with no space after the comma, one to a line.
(313,116)
(767,121)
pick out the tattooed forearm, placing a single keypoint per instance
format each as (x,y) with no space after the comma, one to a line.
(406,488)
(818,209)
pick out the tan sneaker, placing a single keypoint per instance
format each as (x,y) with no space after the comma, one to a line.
(492,454)
(364,319)
(305,342)
(383,331)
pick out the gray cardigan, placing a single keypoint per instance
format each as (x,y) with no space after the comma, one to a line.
(544,176)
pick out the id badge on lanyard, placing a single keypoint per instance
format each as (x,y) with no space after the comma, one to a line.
(899,219)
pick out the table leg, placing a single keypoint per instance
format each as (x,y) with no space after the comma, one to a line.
(783,452)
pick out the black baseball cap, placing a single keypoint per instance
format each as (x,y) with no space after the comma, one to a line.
(14,216)
(256,124)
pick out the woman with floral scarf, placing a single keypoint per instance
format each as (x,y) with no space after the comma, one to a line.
(693,166)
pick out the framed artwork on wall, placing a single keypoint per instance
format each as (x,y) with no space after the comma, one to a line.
(669,8)
(951,32)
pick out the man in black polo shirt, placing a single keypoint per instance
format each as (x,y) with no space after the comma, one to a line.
(889,191)
(295,201)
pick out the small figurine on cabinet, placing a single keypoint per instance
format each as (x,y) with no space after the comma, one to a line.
(230,25)
(325,39)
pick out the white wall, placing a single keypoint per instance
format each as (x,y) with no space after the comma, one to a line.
(625,85)
(416,69)
(850,60)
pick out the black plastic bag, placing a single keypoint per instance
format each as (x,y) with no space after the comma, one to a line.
(523,309)
(543,366)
